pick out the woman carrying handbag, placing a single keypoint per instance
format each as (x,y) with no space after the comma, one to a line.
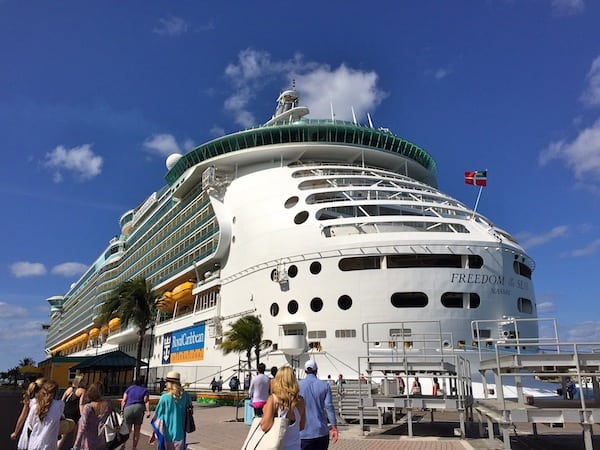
(285,402)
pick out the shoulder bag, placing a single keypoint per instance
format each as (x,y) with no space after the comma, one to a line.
(189,424)
(273,439)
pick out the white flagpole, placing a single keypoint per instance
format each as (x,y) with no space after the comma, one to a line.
(477,201)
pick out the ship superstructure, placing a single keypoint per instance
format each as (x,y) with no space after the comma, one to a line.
(316,226)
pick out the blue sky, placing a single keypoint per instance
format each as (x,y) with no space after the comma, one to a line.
(95,95)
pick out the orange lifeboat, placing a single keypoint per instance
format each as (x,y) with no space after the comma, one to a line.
(94,333)
(182,294)
(165,303)
(113,324)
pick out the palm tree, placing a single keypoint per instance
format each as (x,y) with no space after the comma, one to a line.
(27,361)
(245,334)
(133,302)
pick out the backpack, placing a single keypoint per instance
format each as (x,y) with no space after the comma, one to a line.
(115,430)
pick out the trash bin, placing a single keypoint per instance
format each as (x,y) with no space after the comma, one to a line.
(248,412)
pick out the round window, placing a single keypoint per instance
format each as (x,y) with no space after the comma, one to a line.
(315,267)
(293,307)
(345,302)
(274,309)
(301,217)
(316,304)
(291,202)
(292,271)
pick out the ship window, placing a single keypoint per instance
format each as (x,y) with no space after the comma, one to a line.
(291,202)
(274,309)
(293,307)
(525,305)
(292,271)
(360,263)
(474,300)
(409,299)
(475,262)
(274,275)
(412,260)
(301,217)
(345,302)
(345,333)
(316,304)
(484,334)
(317,334)
(522,269)
(400,332)
(452,299)
(315,267)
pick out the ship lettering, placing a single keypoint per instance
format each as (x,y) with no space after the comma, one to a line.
(476,278)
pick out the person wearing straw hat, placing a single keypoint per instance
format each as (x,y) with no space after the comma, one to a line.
(169,416)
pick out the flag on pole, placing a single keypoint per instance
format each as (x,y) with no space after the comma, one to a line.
(478,178)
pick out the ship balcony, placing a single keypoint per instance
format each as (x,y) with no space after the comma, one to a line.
(292,339)
(127,335)
(292,345)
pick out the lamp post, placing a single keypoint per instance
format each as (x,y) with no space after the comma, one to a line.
(150,345)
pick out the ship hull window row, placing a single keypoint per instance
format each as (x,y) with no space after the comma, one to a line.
(448,261)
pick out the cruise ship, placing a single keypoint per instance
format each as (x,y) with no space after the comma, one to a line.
(333,233)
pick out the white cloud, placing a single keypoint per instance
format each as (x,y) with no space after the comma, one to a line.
(343,87)
(591,94)
(69,269)
(590,249)
(529,240)
(567,7)
(188,145)
(319,85)
(171,26)
(585,331)
(79,160)
(162,144)
(10,311)
(582,155)
(545,307)
(27,269)
(217,131)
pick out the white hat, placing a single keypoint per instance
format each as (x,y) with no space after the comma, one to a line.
(174,376)
(310,366)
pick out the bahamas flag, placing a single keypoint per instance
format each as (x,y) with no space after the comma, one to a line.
(478,178)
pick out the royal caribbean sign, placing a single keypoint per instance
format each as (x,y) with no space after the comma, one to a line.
(183,345)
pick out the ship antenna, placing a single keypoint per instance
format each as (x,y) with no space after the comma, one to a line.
(353,115)
(332,113)
(370,121)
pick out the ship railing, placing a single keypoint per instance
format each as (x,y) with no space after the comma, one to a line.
(509,335)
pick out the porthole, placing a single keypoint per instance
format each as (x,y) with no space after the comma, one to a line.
(293,307)
(301,217)
(316,304)
(315,267)
(274,309)
(345,302)
(233,239)
(274,275)
(292,271)
(233,220)
(291,202)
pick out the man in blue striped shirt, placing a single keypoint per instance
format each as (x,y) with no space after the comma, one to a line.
(317,400)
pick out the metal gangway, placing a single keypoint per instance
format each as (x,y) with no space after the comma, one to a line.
(512,357)
(412,350)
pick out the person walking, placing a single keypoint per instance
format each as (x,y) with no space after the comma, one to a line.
(136,400)
(72,398)
(30,391)
(317,401)
(285,401)
(43,419)
(169,415)
(94,411)
(259,390)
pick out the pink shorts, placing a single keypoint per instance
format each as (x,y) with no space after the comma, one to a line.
(258,404)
